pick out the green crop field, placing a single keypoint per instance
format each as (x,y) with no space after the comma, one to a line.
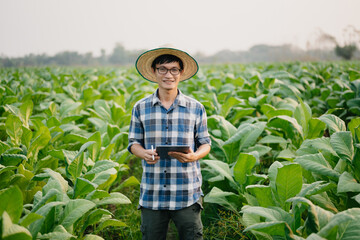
(284,164)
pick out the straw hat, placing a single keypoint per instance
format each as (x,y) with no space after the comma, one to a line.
(144,61)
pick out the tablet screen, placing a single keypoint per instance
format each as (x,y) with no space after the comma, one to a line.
(163,150)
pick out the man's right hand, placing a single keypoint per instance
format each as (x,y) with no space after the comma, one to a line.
(149,156)
(146,154)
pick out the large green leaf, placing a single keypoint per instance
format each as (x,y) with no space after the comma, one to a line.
(317,163)
(245,136)
(318,144)
(101,166)
(95,216)
(114,198)
(272,173)
(334,123)
(316,216)
(62,183)
(102,108)
(240,112)
(39,141)
(11,202)
(26,109)
(262,194)
(272,139)
(315,188)
(59,233)
(49,195)
(68,106)
(220,197)
(279,229)
(94,149)
(347,183)
(85,146)
(26,136)
(29,218)
(354,128)
(129,182)
(105,178)
(83,186)
(44,211)
(221,168)
(243,166)
(219,122)
(270,214)
(74,210)
(13,128)
(288,125)
(105,154)
(286,154)
(12,159)
(225,108)
(316,128)
(347,224)
(303,115)
(343,145)
(76,166)
(111,223)
(12,231)
(97,194)
(288,182)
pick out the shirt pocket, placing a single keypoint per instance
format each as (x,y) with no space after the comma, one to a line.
(185,135)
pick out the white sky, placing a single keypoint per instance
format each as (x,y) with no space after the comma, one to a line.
(51,26)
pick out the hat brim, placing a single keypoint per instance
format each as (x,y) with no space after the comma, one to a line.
(145,60)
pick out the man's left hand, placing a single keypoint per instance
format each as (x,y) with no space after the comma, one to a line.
(190,156)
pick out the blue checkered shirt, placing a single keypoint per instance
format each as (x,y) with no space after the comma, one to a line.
(169,184)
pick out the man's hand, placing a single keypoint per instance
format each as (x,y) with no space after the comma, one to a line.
(191,156)
(149,155)
(146,154)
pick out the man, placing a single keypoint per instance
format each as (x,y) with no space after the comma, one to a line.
(170,188)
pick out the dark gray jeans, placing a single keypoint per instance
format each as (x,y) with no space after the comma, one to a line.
(154,223)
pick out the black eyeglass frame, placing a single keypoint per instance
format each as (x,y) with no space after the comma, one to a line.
(167,70)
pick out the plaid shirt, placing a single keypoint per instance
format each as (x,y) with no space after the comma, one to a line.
(169,184)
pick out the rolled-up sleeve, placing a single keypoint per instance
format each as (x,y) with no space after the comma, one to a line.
(202,135)
(136,129)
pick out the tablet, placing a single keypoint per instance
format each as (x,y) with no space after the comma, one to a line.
(163,150)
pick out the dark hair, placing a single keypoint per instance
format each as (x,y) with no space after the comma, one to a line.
(167,58)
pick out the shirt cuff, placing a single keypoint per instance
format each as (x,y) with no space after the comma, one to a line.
(130,144)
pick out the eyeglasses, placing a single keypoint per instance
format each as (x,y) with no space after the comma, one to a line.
(164,70)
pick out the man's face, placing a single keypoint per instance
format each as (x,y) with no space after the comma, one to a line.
(167,81)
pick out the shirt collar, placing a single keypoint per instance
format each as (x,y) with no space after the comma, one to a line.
(179,100)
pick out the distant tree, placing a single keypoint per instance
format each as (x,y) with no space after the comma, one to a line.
(351,39)
(346,52)
(67,58)
(118,55)
(103,58)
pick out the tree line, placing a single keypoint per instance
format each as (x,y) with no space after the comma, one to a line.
(324,48)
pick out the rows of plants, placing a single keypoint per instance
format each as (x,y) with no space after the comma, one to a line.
(63,152)
(286,149)
(285,158)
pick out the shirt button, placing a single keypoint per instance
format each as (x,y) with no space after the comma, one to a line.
(164,185)
(164,171)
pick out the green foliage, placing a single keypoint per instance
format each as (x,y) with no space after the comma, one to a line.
(315,178)
(55,168)
(285,158)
